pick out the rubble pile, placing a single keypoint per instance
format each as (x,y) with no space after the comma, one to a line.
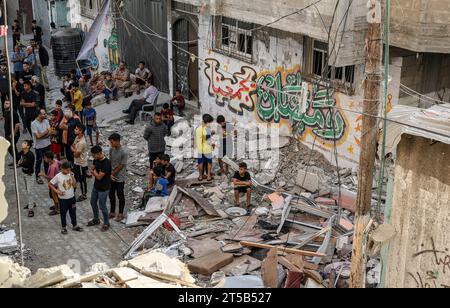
(290,237)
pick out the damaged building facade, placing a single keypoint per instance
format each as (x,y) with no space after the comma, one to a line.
(280,73)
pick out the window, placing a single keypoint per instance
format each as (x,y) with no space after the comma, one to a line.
(234,38)
(344,75)
(90,8)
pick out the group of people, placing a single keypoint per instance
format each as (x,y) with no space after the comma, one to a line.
(241,179)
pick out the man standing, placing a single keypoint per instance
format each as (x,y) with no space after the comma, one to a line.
(43,60)
(101,170)
(40,89)
(154,134)
(37,32)
(4,85)
(68,126)
(17,59)
(41,131)
(29,102)
(150,96)
(8,133)
(16,32)
(142,74)
(79,150)
(30,58)
(27,72)
(122,78)
(119,158)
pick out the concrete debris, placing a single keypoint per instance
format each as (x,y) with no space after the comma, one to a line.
(8,242)
(244,282)
(48,277)
(210,263)
(307,180)
(12,274)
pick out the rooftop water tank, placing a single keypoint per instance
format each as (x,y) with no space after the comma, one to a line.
(66,45)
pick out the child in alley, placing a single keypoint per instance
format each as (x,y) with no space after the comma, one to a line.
(242,184)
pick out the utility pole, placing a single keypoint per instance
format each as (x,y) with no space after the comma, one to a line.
(371,105)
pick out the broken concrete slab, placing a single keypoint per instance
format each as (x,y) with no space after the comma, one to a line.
(124,274)
(8,241)
(312,284)
(208,264)
(133,219)
(144,282)
(307,180)
(49,276)
(12,274)
(241,266)
(160,264)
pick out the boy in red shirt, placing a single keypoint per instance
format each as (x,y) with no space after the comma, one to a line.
(167,117)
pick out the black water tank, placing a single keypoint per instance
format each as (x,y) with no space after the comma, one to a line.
(66,45)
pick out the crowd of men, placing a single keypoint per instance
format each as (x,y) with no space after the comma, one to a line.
(59,137)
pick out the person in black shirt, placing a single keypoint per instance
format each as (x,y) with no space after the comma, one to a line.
(170,172)
(4,85)
(27,73)
(29,102)
(242,184)
(101,170)
(8,132)
(37,32)
(26,161)
(16,32)
(40,89)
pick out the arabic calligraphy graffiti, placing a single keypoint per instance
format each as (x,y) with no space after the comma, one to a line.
(236,92)
(433,278)
(276,96)
(304,105)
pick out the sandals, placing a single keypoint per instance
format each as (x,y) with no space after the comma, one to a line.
(200,179)
(77,229)
(30,210)
(30,213)
(39,181)
(93,222)
(64,231)
(53,213)
(105,228)
(81,198)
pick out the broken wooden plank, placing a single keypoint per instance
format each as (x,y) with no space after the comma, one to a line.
(283,249)
(293,280)
(210,263)
(310,266)
(202,202)
(206,231)
(285,213)
(312,237)
(269,271)
(313,275)
(287,264)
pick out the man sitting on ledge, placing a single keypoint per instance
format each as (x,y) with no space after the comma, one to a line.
(136,105)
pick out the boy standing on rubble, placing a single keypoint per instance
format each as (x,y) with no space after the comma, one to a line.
(242,184)
(204,148)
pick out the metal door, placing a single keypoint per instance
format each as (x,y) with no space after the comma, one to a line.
(181,57)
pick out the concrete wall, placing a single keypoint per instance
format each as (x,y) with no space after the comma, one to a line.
(421,25)
(419,253)
(12,7)
(105,56)
(310,22)
(236,89)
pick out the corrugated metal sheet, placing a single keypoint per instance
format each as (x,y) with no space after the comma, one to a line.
(135,46)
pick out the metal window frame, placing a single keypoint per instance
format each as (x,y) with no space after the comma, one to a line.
(86,11)
(233,49)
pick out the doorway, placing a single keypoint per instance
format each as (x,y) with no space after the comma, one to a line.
(186,66)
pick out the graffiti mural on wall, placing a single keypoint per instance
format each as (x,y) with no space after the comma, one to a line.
(236,92)
(113,49)
(279,96)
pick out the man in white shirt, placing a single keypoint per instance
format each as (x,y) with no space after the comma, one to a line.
(63,184)
(150,97)
(41,130)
